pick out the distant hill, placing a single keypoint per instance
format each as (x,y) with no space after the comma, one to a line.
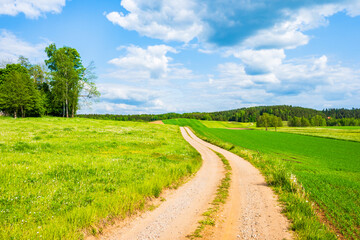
(241,115)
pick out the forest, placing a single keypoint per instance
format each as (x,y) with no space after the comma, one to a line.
(53,88)
(296,116)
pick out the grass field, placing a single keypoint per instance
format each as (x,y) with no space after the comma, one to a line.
(222,124)
(328,169)
(61,177)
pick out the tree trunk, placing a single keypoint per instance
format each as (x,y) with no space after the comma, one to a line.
(22,111)
(67,108)
(73,111)
(67,100)
(63,109)
(15,114)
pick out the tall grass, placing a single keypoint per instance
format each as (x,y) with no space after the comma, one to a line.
(61,177)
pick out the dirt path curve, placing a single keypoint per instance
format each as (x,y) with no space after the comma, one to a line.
(251,211)
(178,215)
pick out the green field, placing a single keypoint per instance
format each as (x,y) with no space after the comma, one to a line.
(350,133)
(328,169)
(60,177)
(344,133)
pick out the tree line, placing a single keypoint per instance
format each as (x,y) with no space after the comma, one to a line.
(53,88)
(305,122)
(284,112)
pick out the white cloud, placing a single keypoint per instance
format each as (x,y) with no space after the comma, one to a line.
(31,8)
(306,82)
(277,37)
(166,20)
(236,75)
(11,47)
(264,75)
(292,79)
(309,82)
(261,61)
(279,25)
(107,107)
(320,63)
(152,59)
(124,92)
(287,33)
(124,99)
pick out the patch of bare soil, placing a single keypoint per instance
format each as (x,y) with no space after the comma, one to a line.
(157,122)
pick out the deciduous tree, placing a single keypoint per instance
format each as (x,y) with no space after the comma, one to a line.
(17,92)
(69,78)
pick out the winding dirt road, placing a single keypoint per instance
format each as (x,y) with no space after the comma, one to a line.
(251,211)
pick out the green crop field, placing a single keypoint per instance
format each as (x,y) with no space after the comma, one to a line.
(61,177)
(344,133)
(328,169)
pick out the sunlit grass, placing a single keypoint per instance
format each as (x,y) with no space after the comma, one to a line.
(59,177)
(227,124)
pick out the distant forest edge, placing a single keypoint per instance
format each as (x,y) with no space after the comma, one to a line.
(333,117)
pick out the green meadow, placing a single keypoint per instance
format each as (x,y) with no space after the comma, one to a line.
(327,169)
(223,124)
(61,178)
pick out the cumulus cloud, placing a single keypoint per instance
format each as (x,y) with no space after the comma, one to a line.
(153,59)
(261,61)
(308,82)
(257,24)
(256,32)
(11,47)
(124,99)
(31,8)
(293,78)
(113,92)
(167,20)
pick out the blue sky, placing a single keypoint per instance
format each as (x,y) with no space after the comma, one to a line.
(198,55)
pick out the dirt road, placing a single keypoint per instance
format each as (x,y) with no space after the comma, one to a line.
(251,211)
